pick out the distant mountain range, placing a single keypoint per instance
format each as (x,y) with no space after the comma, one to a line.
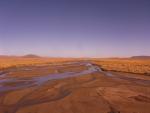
(25,56)
(36,56)
(140,57)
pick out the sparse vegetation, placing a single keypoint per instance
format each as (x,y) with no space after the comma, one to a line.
(7,62)
(125,65)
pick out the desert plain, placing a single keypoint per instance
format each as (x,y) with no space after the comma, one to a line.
(73,85)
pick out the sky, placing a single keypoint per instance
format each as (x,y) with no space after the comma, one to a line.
(75,28)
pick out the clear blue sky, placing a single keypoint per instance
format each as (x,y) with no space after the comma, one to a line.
(75,28)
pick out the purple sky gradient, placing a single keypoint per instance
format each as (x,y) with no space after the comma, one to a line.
(75,28)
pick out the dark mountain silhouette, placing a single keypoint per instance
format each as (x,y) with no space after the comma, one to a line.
(140,57)
(31,56)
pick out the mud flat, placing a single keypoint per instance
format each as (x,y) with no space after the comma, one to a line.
(76,88)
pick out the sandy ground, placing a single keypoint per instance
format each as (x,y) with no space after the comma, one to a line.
(91,93)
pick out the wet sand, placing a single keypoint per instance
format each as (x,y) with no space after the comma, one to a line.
(81,90)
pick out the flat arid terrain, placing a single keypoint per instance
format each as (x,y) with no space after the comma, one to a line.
(129,65)
(68,85)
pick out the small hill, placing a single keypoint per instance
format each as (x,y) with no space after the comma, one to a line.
(31,56)
(141,57)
